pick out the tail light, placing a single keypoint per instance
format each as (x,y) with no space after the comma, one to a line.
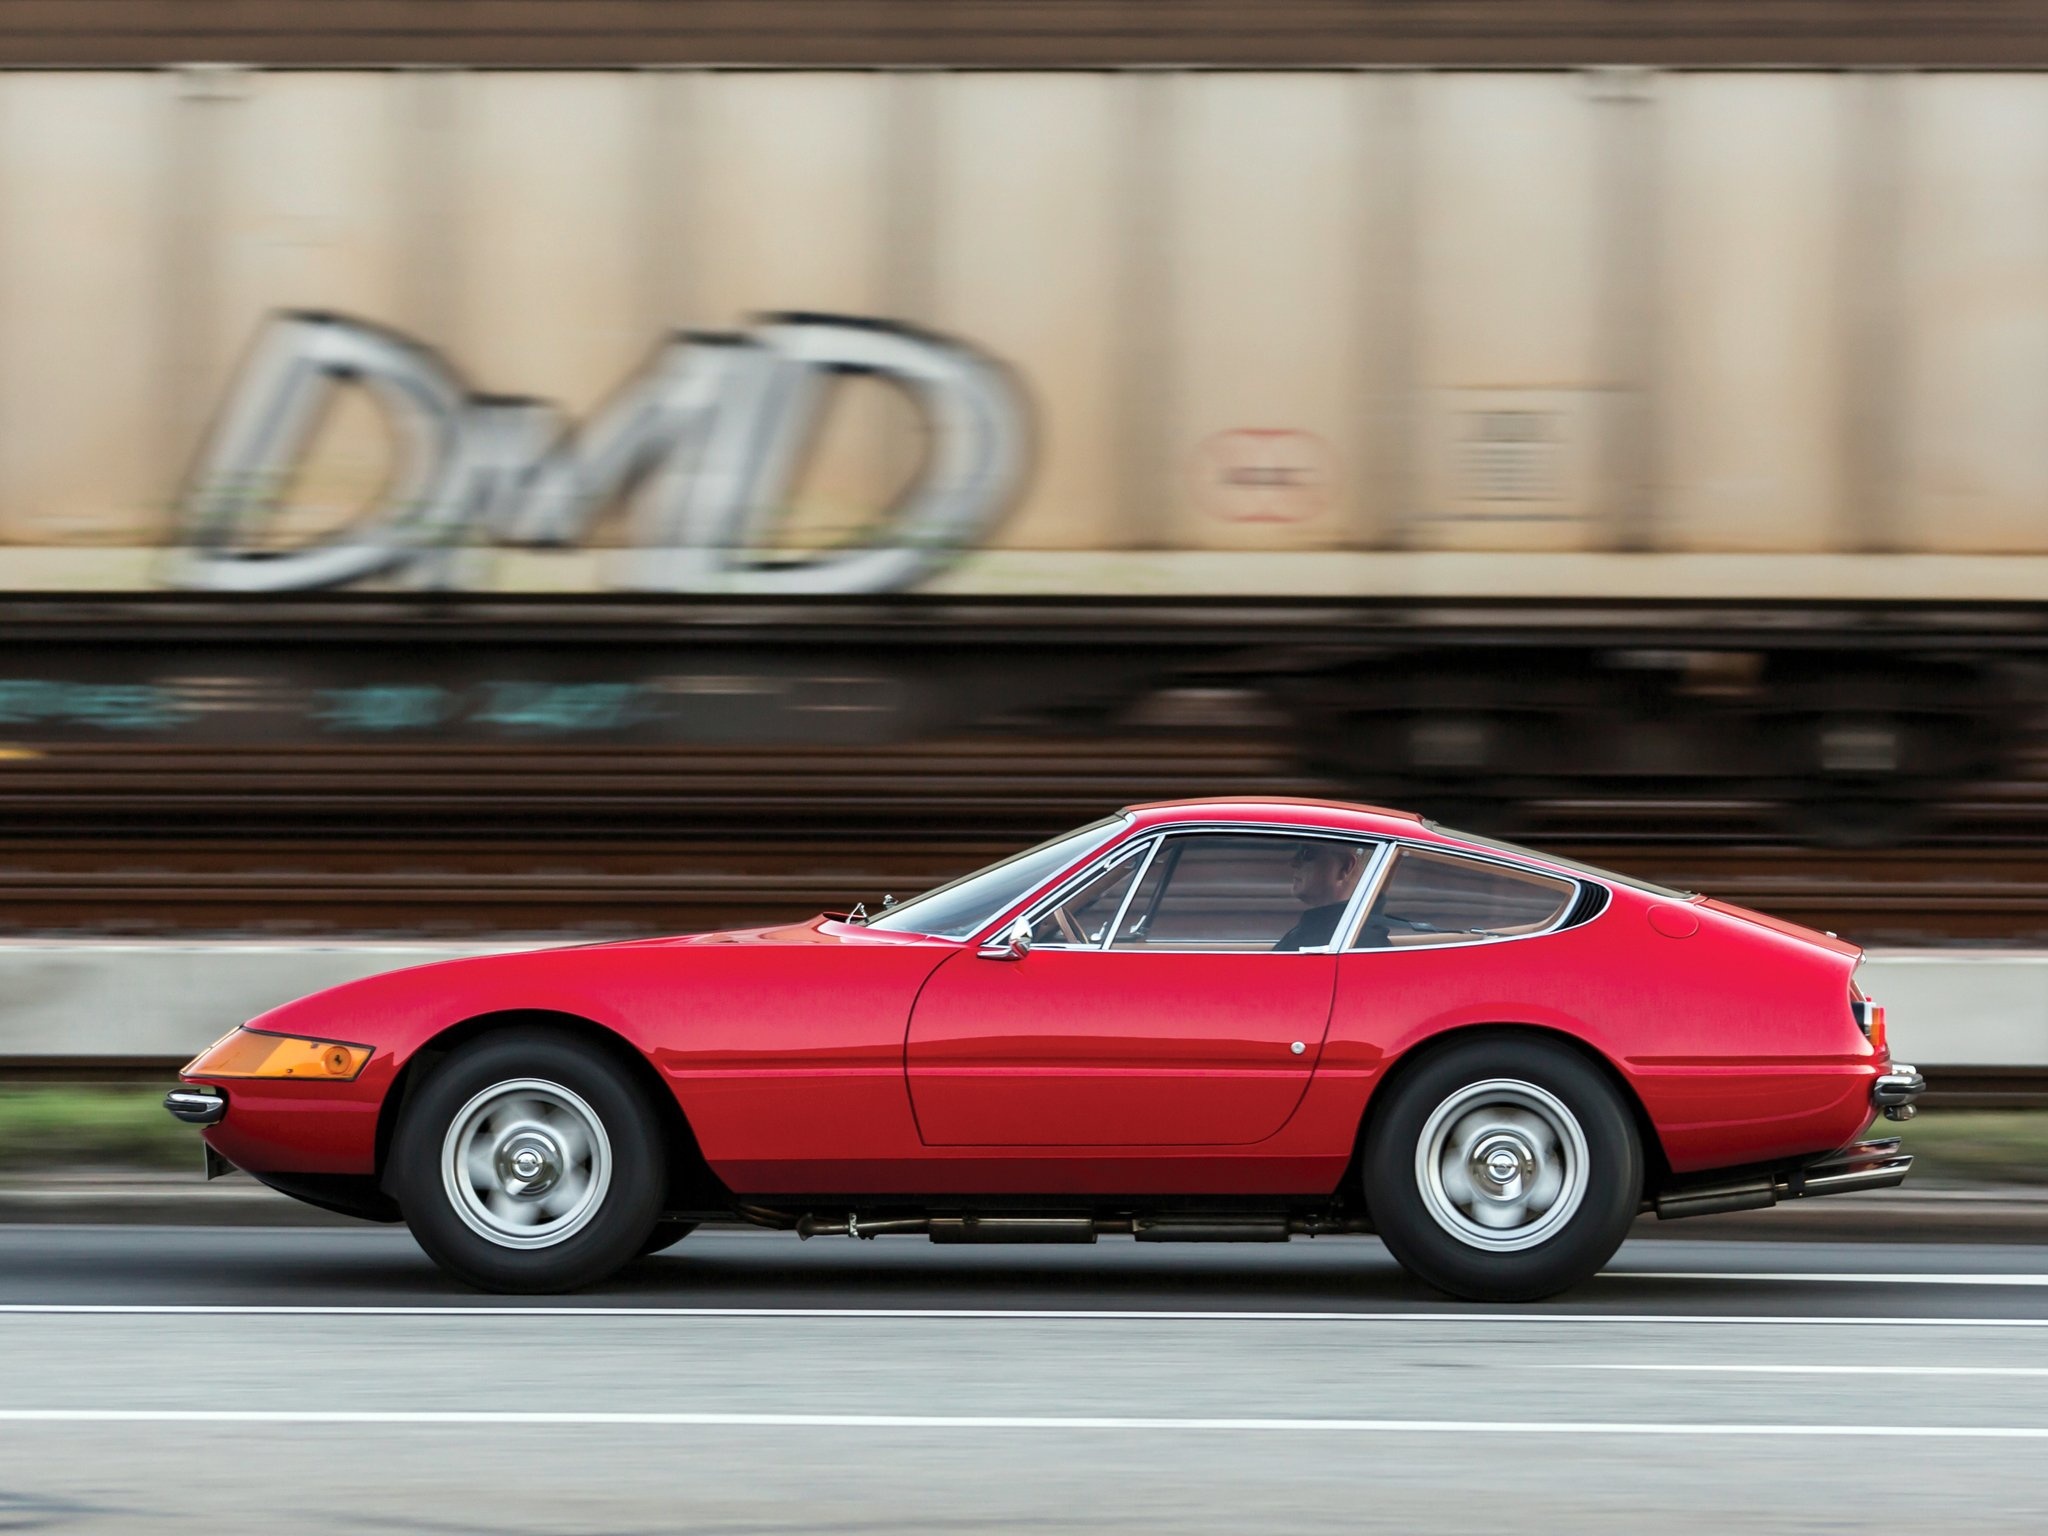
(1869,1018)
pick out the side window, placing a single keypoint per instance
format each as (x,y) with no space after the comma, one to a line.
(1082,918)
(1440,898)
(1221,891)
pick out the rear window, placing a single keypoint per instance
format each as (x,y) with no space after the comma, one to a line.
(1440,898)
(1588,870)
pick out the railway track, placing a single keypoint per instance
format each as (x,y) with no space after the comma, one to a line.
(548,843)
(447,889)
(533,840)
(994,786)
(995,789)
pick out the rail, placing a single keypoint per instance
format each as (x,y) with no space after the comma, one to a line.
(1021,33)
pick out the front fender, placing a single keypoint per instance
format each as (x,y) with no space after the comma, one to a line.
(300,1126)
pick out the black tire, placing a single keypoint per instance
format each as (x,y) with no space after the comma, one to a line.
(603,1231)
(666,1235)
(1421,1219)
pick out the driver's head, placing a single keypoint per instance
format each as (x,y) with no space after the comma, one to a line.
(1326,872)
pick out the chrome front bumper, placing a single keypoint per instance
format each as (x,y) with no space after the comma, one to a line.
(1867,1165)
(196,1106)
(202,1106)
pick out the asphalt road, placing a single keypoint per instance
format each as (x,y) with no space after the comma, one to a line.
(328,1380)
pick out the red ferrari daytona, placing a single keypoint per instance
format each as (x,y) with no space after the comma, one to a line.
(1219,1021)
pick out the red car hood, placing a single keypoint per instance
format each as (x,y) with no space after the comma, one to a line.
(824,929)
(1779,925)
(554,973)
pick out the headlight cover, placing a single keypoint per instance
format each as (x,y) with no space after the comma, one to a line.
(252,1053)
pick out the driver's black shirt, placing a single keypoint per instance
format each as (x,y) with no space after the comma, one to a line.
(1315,926)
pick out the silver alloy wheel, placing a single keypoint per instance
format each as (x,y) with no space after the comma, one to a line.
(526,1164)
(1502,1165)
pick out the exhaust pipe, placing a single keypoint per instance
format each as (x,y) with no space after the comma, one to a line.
(1011,1229)
(1867,1165)
(1211,1229)
(953,1229)
(1714,1199)
(1177,1227)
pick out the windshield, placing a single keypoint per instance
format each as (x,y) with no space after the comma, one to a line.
(1589,870)
(960,908)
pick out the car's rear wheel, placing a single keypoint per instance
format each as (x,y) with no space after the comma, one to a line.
(1503,1168)
(530,1162)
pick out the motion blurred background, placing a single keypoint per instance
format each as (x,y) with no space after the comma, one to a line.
(495,472)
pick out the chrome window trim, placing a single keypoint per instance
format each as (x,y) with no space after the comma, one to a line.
(1448,852)
(1145,844)
(1368,892)
(1393,841)
(1155,838)
(1376,852)
(1153,845)
(1376,873)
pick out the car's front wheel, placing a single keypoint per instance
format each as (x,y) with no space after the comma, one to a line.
(530,1162)
(1503,1168)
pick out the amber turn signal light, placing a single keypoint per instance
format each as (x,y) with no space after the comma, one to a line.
(251,1053)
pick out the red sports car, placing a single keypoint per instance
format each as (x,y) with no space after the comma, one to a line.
(1219,1021)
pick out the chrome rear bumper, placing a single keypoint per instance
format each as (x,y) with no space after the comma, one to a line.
(1867,1165)
(1894,1093)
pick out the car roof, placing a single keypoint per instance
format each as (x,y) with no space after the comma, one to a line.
(1285,810)
(1376,821)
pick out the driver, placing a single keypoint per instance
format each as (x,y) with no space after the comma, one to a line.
(1325,875)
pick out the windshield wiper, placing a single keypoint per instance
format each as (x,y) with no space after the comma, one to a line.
(860,913)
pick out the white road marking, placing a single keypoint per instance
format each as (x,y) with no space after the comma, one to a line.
(510,1420)
(988,1314)
(1822,1277)
(1800,1370)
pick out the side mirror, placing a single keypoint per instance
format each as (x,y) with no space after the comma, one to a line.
(1014,943)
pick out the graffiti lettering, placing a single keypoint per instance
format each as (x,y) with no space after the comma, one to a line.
(706,441)
(560,706)
(382,707)
(106,706)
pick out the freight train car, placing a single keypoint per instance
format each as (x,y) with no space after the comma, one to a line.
(1489,434)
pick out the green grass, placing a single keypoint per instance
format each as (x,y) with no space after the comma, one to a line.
(70,1126)
(1975,1146)
(65,1125)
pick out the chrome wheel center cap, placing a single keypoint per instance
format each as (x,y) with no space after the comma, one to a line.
(1501,1166)
(529,1163)
(526,1164)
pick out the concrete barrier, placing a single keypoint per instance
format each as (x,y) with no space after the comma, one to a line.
(87,1002)
(1962,1008)
(92,1002)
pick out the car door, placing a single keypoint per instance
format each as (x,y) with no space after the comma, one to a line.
(1151,1008)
